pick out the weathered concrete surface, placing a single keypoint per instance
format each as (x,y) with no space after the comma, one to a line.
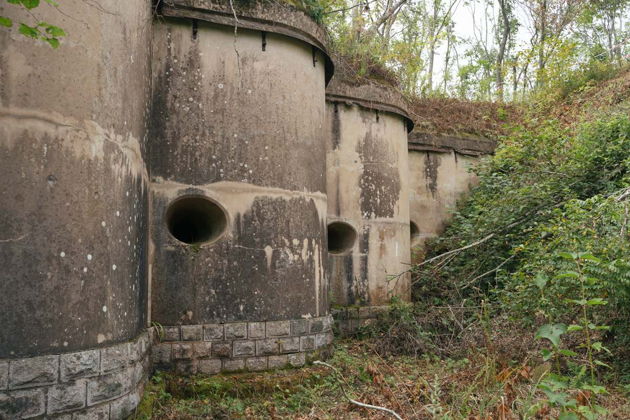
(74,191)
(268,17)
(439,176)
(368,189)
(469,146)
(239,120)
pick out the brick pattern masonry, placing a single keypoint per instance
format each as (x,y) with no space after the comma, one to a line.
(349,319)
(252,346)
(107,383)
(101,384)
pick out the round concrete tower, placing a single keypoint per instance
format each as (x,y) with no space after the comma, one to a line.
(439,175)
(73,207)
(368,198)
(237,164)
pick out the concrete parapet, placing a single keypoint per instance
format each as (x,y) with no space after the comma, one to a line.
(274,17)
(471,146)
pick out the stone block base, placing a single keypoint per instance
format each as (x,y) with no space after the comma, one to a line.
(349,320)
(105,383)
(242,346)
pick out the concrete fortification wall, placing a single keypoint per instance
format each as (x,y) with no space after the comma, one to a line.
(439,175)
(237,142)
(368,196)
(73,203)
(177,167)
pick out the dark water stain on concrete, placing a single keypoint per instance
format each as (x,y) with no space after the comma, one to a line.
(238,278)
(431,165)
(380,179)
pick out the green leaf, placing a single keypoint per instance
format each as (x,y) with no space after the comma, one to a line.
(574,327)
(599,347)
(28,31)
(567,415)
(592,281)
(54,42)
(587,413)
(594,412)
(546,354)
(30,4)
(567,255)
(55,31)
(52,3)
(541,281)
(5,21)
(595,389)
(551,332)
(581,373)
(580,302)
(13,1)
(567,353)
(596,301)
(600,363)
(569,274)
(556,398)
(590,257)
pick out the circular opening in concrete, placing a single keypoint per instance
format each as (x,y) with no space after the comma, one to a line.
(341,237)
(196,220)
(414,234)
(413,230)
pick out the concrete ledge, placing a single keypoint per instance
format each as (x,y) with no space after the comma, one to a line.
(424,142)
(371,96)
(104,383)
(242,346)
(275,17)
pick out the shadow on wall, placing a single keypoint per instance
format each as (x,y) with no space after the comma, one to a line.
(439,175)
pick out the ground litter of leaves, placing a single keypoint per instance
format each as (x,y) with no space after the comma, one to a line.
(477,387)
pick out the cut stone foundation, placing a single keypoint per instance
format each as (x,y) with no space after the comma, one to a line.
(104,383)
(350,319)
(108,383)
(242,346)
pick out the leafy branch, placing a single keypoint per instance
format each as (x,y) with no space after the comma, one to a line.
(40,30)
(556,386)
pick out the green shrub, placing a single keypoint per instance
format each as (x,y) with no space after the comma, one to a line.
(544,191)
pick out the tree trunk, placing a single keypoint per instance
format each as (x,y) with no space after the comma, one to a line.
(505,36)
(447,56)
(541,43)
(433,40)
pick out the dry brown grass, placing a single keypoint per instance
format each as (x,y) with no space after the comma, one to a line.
(593,99)
(478,387)
(358,69)
(453,116)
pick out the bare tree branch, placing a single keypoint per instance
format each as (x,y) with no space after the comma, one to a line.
(355,402)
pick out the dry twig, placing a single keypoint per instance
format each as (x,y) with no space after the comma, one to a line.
(355,402)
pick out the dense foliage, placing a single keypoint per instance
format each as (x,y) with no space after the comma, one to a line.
(550,189)
(481,49)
